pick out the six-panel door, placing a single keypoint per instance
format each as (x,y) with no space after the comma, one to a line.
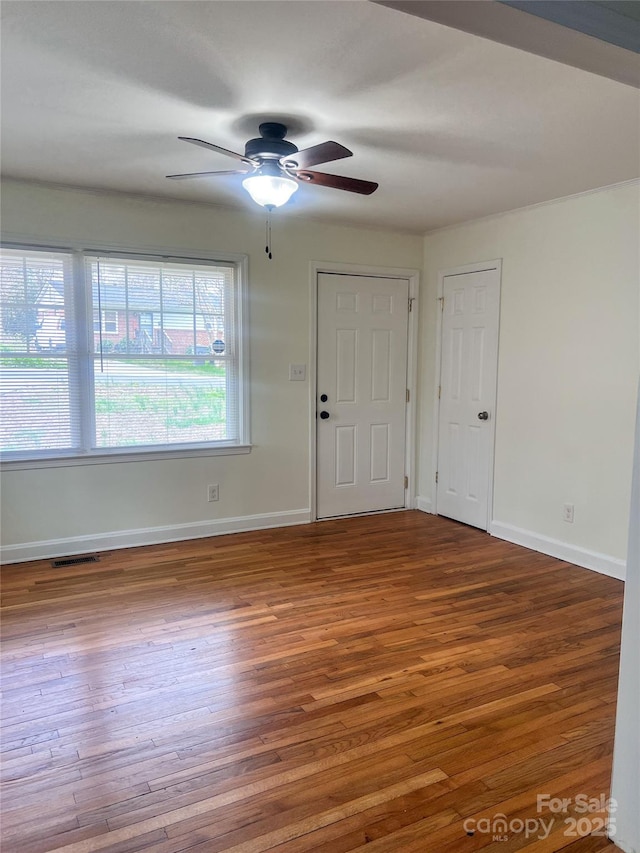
(468,395)
(362,372)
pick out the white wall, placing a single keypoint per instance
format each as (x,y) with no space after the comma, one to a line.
(567,371)
(65,503)
(625,782)
(568,364)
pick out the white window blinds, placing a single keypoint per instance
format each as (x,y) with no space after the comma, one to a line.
(148,357)
(39,404)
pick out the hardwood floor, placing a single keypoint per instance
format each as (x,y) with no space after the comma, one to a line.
(394,682)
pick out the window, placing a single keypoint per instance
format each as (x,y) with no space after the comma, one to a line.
(109,323)
(160,367)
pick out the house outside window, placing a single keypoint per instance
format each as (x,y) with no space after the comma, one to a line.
(109,325)
(148,375)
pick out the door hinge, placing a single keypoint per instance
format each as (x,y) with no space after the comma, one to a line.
(439,391)
(406,482)
(408,395)
(441,301)
(436,476)
(411,298)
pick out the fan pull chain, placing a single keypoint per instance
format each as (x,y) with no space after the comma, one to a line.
(267,248)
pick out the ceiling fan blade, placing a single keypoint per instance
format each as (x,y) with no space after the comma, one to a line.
(338,182)
(208,174)
(217,148)
(325,152)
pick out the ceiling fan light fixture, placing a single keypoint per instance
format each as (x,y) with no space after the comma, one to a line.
(274,166)
(269,187)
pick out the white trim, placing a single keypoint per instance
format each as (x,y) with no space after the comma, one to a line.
(502,213)
(152,251)
(313,386)
(244,363)
(425,504)
(362,269)
(602,563)
(78,251)
(47,549)
(480,266)
(144,455)
(413,325)
(413,278)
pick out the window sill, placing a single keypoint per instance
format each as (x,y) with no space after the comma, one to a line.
(124,456)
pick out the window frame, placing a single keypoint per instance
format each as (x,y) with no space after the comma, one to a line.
(84,357)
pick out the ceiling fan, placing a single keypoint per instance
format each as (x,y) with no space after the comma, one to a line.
(275,166)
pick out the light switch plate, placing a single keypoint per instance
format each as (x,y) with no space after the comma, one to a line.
(297,372)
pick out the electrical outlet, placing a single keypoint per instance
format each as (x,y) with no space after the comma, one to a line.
(213,492)
(567,513)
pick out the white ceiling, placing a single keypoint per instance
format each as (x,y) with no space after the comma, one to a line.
(452,126)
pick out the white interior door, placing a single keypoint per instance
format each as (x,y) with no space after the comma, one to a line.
(361,393)
(469,366)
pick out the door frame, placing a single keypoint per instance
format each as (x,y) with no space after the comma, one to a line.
(413,277)
(481,266)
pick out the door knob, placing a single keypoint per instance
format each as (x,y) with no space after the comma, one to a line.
(323,398)
(324,415)
(483,416)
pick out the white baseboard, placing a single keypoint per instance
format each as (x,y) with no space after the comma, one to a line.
(50,548)
(424,504)
(602,563)
(47,549)
(627,847)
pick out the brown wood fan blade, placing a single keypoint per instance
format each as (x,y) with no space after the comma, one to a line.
(207,174)
(217,148)
(338,182)
(325,152)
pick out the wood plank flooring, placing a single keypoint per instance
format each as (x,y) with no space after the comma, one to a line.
(391,683)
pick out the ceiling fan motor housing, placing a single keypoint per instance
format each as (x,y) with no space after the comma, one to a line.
(271,143)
